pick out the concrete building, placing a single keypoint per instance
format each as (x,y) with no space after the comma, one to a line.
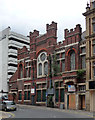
(90,55)
(9,44)
(51,69)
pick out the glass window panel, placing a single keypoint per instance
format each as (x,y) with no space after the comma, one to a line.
(28,95)
(62,95)
(43,57)
(25,95)
(83,62)
(43,95)
(58,56)
(30,72)
(63,66)
(20,96)
(83,50)
(93,27)
(72,61)
(40,69)
(56,95)
(63,55)
(39,96)
(21,72)
(94,71)
(93,49)
(45,68)
(26,72)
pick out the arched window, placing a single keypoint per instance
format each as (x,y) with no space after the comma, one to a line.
(72,60)
(21,71)
(42,65)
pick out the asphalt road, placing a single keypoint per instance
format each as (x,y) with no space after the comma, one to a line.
(44,112)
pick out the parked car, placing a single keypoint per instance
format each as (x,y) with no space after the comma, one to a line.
(8,105)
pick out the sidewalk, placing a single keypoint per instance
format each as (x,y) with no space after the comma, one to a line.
(5,115)
(81,112)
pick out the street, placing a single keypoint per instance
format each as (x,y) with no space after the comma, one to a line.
(28,111)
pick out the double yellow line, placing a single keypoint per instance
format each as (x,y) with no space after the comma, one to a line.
(12,115)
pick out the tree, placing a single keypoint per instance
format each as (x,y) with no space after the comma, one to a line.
(80,74)
(55,66)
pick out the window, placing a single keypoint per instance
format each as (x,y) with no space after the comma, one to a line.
(63,55)
(83,50)
(83,62)
(58,56)
(94,69)
(72,60)
(26,72)
(45,68)
(21,71)
(62,95)
(30,72)
(20,96)
(43,56)
(93,49)
(58,64)
(93,24)
(39,96)
(43,95)
(56,95)
(40,69)
(26,64)
(42,64)
(25,95)
(93,3)
(28,95)
(63,66)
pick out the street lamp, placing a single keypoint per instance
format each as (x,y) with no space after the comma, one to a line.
(33,85)
(46,88)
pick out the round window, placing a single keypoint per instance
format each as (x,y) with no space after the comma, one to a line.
(43,56)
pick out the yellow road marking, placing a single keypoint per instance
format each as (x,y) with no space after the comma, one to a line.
(13,115)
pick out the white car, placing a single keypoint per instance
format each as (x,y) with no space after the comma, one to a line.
(8,105)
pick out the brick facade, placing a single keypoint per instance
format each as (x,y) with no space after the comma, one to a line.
(33,61)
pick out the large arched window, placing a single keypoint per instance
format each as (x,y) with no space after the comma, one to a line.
(72,60)
(21,71)
(42,65)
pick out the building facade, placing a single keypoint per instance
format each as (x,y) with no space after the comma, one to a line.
(9,44)
(90,55)
(51,69)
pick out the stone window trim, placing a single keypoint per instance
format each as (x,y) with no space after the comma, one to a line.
(41,62)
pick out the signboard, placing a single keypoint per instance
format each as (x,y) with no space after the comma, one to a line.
(71,88)
(50,91)
(33,91)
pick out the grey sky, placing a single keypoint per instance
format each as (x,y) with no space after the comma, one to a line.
(24,16)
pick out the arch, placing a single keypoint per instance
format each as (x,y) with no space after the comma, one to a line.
(41,50)
(70,49)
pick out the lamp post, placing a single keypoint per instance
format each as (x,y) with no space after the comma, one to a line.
(33,86)
(46,88)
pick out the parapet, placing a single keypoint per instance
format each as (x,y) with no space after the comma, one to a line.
(70,32)
(53,25)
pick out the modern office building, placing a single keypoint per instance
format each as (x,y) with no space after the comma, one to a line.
(9,43)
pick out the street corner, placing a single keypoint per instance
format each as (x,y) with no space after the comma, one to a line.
(6,115)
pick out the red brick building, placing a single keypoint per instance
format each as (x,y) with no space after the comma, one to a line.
(49,64)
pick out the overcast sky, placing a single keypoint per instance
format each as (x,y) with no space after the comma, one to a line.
(24,16)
